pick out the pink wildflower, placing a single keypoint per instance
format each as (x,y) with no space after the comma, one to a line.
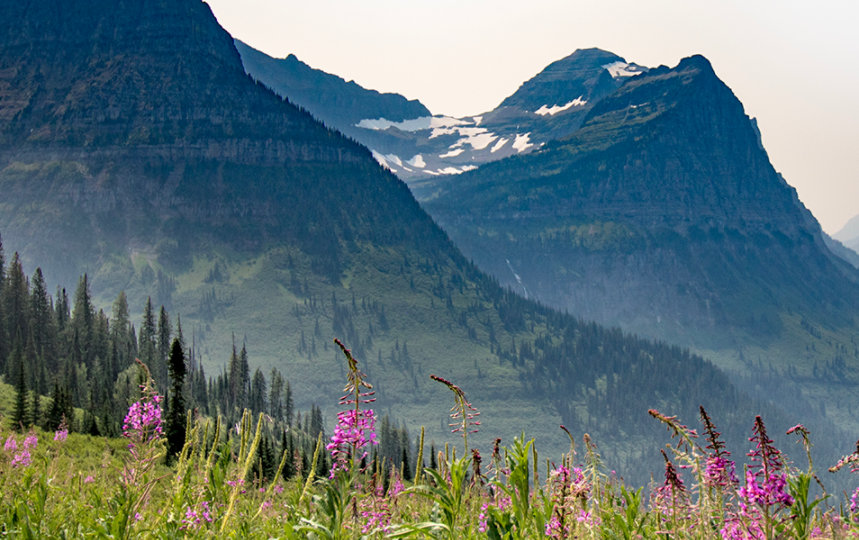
(31,441)
(22,460)
(11,445)
(143,421)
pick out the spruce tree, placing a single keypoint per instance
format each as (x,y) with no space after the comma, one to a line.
(258,392)
(42,324)
(146,347)
(160,368)
(176,415)
(83,322)
(16,305)
(20,418)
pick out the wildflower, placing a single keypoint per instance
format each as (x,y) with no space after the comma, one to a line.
(720,472)
(31,441)
(355,428)
(143,421)
(671,498)
(62,432)
(89,479)
(196,516)
(854,506)
(462,413)
(22,459)
(482,518)
(765,486)
(11,445)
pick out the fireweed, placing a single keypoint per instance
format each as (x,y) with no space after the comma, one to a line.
(462,414)
(356,428)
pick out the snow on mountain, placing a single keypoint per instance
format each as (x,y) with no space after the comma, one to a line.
(555,109)
(522,142)
(622,69)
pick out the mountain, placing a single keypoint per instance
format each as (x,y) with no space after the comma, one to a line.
(663,215)
(419,147)
(134,147)
(329,98)
(849,234)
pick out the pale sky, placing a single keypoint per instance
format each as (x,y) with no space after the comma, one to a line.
(794,65)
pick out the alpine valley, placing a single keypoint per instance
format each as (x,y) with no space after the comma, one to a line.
(645,200)
(134,147)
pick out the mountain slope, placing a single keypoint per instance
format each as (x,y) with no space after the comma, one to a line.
(133,146)
(331,99)
(849,234)
(420,148)
(663,215)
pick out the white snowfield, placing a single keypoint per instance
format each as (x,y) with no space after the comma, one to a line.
(555,109)
(622,69)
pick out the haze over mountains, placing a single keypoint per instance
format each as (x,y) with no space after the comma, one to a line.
(133,146)
(652,205)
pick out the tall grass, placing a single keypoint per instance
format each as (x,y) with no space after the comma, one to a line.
(61,485)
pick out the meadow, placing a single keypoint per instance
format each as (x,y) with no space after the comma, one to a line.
(69,485)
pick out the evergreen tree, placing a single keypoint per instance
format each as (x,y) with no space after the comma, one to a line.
(275,395)
(36,410)
(42,325)
(258,392)
(160,368)
(288,404)
(176,414)
(83,323)
(61,407)
(146,346)
(20,419)
(121,340)
(16,305)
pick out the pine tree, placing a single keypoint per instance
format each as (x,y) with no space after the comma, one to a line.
(16,305)
(83,322)
(176,414)
(42,325)
(258,392)
(160,368)
(275,395)
(146,345)
(20,419)
(120,336)
(288,404)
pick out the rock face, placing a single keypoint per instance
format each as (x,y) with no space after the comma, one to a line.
(329,98)
(662,214)
(421,148)
(117,135)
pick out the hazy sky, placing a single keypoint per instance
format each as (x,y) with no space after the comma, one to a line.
(794,65)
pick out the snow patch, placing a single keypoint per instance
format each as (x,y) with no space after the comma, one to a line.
(417,162)
(455,151)
(555,109)
(478,138)
(454,170)
(477,120)
(415,124)
(500,144)
(521,143)
(622,69)
(393,158)
(381,159)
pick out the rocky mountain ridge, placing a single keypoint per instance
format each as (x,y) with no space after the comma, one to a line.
(422,148)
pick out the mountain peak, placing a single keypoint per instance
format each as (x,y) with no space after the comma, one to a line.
(586,75)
